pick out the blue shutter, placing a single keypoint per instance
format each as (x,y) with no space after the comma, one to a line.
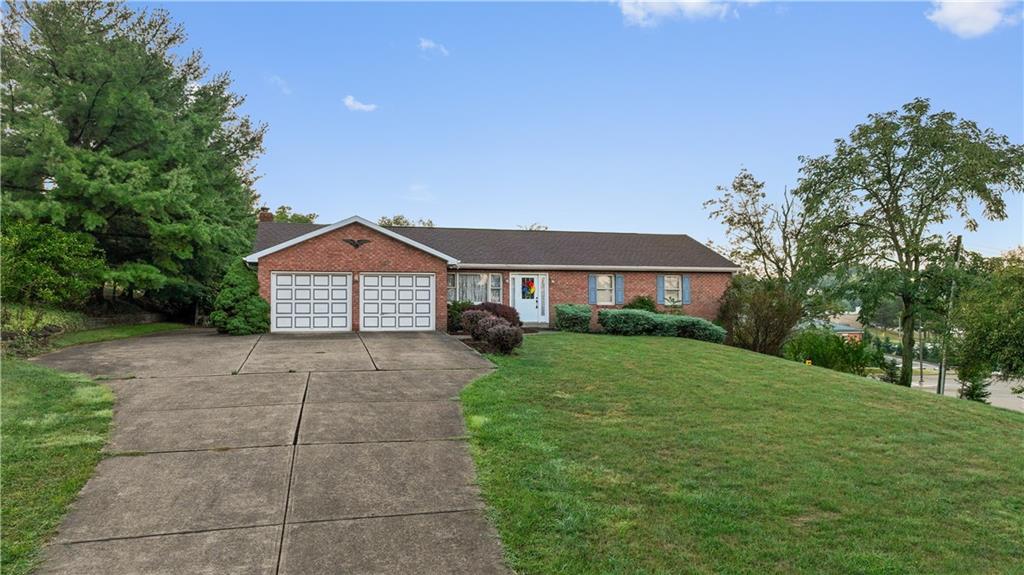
(592,289)
(686,289)
(661,290)
(620,290)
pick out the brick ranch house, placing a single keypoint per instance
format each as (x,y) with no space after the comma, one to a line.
(356,275)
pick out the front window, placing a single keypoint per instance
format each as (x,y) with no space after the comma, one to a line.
(476,288)
(673,290)
(605,290)
(495,294)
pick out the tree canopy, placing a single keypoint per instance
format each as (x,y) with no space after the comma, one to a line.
(399,220)
(872,204)
(108,132)
(989,319)
(285,214)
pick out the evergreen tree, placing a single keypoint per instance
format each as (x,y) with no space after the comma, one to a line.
(108,132)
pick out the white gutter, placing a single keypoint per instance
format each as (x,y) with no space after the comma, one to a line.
(596,268)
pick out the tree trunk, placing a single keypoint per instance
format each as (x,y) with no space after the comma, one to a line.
(907,325)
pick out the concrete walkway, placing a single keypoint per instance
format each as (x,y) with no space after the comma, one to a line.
(280,454)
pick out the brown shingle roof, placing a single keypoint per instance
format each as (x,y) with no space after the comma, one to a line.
(523,247)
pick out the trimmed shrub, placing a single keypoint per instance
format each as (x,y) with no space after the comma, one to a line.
(627,321)
(642,302)
(484,326)
(508,313)
(572,317)
(505,338)
(455,309)
(470,318)
(640,322)
(697,328)
(239,309)
(665,325)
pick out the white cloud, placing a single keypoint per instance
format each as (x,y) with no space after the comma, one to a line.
(972,18)
(428,46)
(356,106)
(649,13)
(420,193)
(280,84)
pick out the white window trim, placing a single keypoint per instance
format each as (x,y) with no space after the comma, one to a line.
(501,287)
(488,287)
(598,290)
(678,296)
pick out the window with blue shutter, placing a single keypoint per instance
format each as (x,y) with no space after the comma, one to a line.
(592,289)
(620,289)
(661,290)
(686,289)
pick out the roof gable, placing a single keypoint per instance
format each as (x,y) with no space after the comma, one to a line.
(310,231)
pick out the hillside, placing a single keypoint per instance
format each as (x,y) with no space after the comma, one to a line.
(603,454)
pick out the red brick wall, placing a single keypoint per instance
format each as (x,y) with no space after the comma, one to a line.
(328,253)
(706,289)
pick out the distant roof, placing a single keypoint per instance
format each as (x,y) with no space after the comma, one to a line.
(488,247)
(843,328)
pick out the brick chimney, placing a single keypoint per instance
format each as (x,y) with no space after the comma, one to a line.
(265,215)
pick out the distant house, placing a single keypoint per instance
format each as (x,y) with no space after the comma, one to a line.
(356,275)
(847,332)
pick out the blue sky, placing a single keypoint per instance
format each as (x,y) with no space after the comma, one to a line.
(594,116)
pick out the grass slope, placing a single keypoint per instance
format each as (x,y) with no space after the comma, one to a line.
(53,426)
(604,454)
(112,332)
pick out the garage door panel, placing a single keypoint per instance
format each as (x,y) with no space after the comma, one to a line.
(397,301)
(311,301)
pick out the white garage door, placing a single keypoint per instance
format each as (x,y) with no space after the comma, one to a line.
(310,302)
(392,302)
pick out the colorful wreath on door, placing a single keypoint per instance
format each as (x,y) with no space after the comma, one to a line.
(529,288)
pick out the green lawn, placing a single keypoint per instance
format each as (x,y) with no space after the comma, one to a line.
(604,454)
(113,332)
(53,426)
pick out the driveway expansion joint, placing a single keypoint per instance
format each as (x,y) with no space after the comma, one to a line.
(188,491)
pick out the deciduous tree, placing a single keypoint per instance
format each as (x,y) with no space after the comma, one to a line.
(989,321)
(285,214)
(876,200)
(398,220)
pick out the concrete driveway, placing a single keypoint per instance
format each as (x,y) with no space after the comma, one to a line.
(280,454)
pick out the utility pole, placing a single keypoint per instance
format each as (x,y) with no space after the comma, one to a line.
(941,389)
(920,358)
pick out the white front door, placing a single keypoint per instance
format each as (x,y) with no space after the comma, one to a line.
(530,297)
